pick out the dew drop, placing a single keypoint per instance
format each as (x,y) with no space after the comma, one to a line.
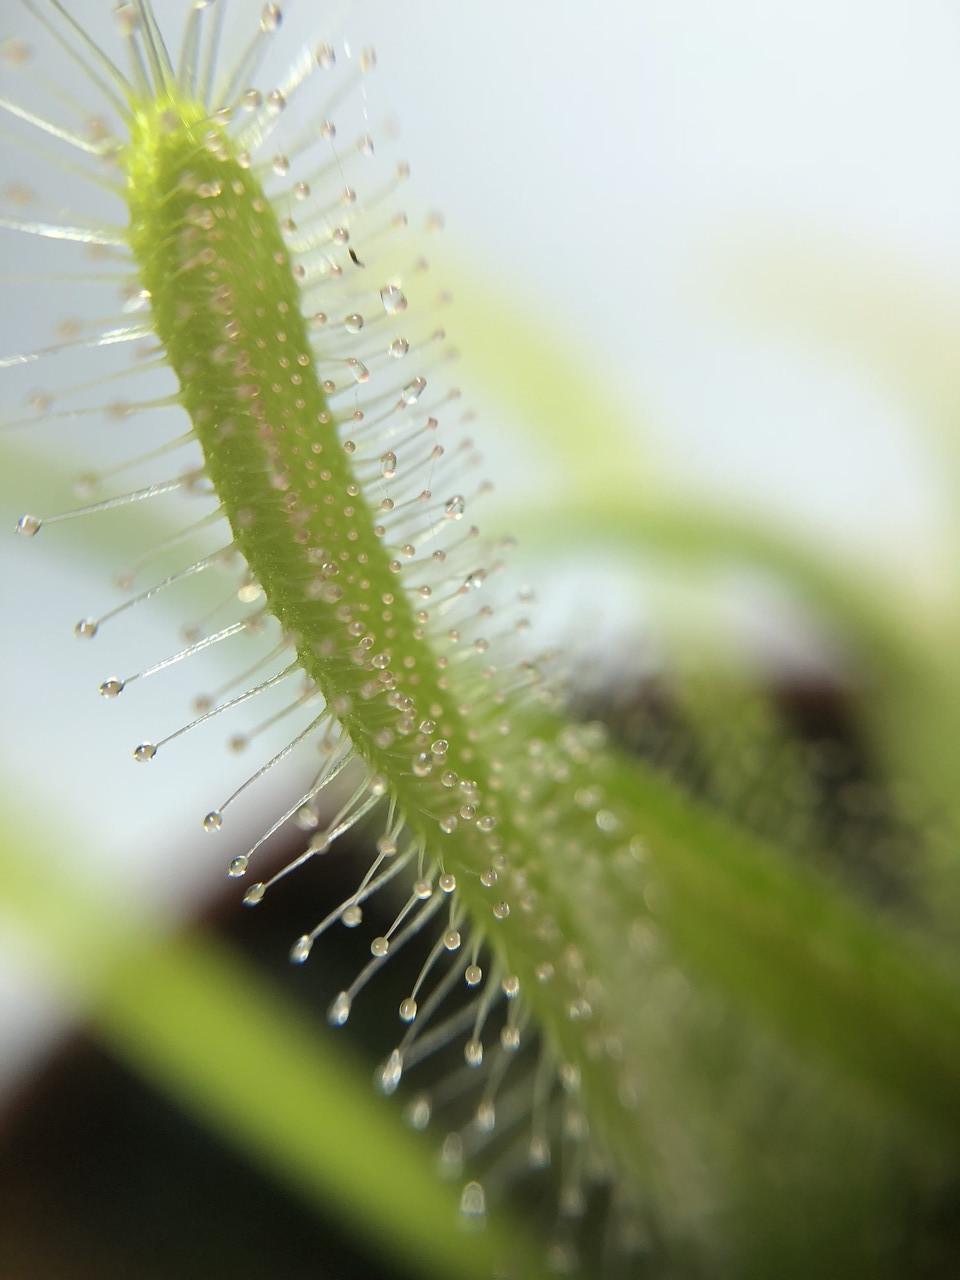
(380,946)
(488,878)
(352,916)
(339,1010)
(422,764)
(418,1112)
(455,507)
(451,940)
(486,1117)
(501,910)
(111,688)
(510,1039)
(85,629)
(390,1072)
(213,821)
(388,465)
(473,1053)
(408,1009)
(281,164)
(275,102)
(271,17)
(252,99)
(353,323)
(486,823)
(254,894)
(238,867)
(145,751)
(473,1203)
(301,949)
(398,348)
(412,392)
(473,975)
(326,56)
(448,825)
(447,882)
(423,889)
(368,59)
(29,526)
(393,299)
(538,1155)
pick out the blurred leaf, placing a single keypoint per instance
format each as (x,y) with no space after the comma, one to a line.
(194,1019)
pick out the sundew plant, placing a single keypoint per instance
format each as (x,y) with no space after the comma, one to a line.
(676,1000)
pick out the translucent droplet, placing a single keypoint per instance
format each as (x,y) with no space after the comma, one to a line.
(275,102)
(440,747)
(393,299)
(486,1118)
(447,882)
(281,164)
(501,910)
(271,17)
(408,1009)
(359,370)
(473,975)
(145,751)
(510,1038)
(238,866)
(213,821)
(85,629)
(306,819)
(448,825)
(388,465)
(422,764)
(111,688)
(412,392)
(254,894)
(455,507)
(252,99)
(422,889)
(486,823)
(352,916)
(473,1053)
(368,59)
(449,778)
(339,1010)
(390,1072)
(301,949)
(451,939)
(473,1203)
(326,56)
(418,1112)
(511,986)
(353,323)
(398,348)
(380,946)
(29,525)
(538,1155)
